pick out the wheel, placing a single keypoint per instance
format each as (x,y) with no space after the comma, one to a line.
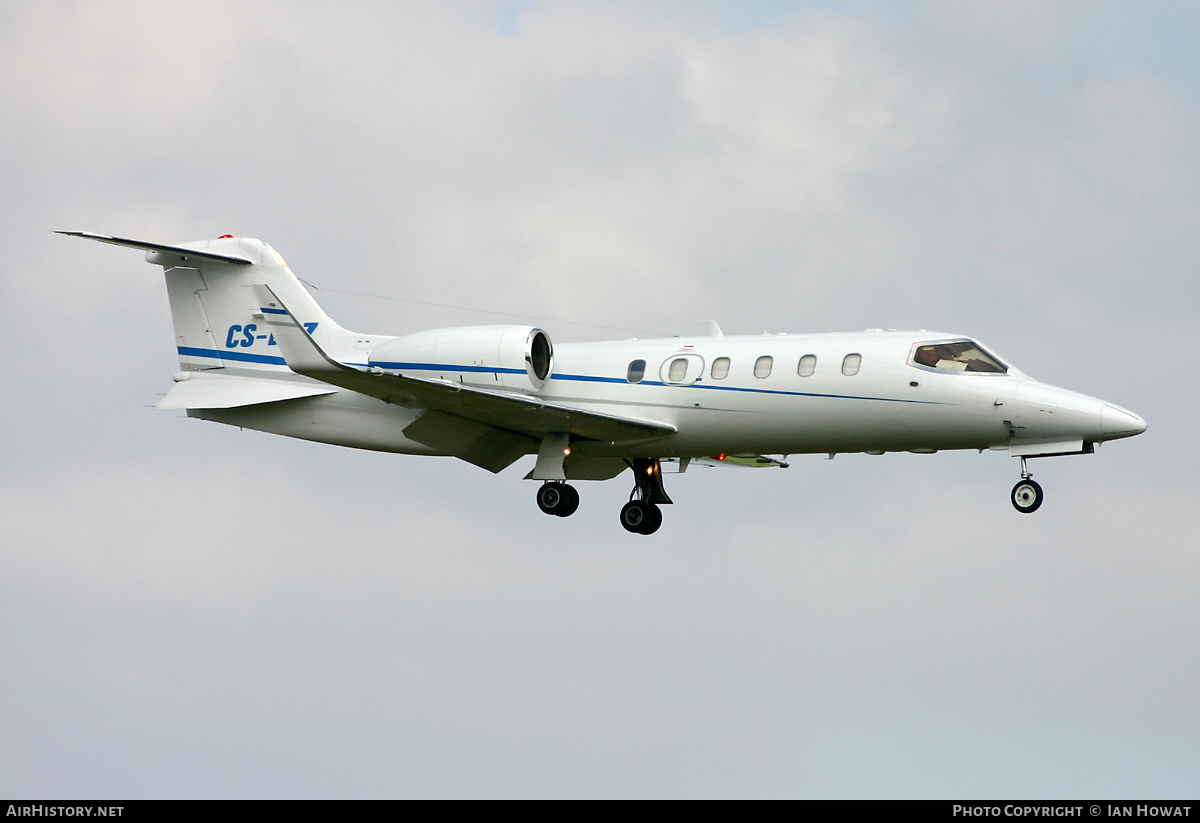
(633,514)
(550,497)
(641,518)
(558,499)
(1027,496)
(653,519)
(570,501)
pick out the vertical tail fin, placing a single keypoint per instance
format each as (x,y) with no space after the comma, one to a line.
(217,316)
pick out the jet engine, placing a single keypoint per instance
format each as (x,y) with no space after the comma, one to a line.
(510,357)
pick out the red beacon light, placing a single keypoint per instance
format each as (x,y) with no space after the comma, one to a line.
(225,237)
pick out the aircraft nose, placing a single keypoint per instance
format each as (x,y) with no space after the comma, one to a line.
(1118,422)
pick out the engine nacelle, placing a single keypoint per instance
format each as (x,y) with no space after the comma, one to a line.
(512,357)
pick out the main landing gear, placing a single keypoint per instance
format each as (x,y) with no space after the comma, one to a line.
(1027,495)
(641,515)
(558,499)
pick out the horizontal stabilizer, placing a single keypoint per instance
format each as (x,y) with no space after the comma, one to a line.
(181,251)
(202,390)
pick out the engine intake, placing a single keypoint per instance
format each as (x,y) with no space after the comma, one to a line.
(512,357)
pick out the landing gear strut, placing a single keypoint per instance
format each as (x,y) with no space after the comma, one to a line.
(1027,495)
(641,514)
(558,499)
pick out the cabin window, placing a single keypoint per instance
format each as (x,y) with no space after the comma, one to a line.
(720,368)
(762,366)
(957,355)
(808,365)
(850,364)
(637,370)
(678,370)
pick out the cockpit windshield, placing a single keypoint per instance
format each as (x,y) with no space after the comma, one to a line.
(957,355)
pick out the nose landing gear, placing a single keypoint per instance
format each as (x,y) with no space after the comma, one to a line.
(1027,495)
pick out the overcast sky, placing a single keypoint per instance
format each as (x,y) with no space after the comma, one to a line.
(190,610)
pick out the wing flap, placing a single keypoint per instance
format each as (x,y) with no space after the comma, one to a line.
(480,444)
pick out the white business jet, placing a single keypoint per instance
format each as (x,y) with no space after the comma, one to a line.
(256,351)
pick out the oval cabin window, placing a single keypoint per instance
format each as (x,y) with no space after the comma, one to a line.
(762,366)
(678,370)
(637,370)
(850,364)
(808,365)
(720,368)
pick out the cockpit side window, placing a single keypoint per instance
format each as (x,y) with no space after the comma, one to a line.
(957,355)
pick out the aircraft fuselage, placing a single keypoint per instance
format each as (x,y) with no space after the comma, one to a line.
(257,351)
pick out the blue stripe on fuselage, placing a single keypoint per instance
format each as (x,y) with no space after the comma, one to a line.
(246,357)
(589,379)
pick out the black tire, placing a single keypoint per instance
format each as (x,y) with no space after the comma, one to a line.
(570,501)
(653,519)
(1027,496)
(550,497)
(633,515)
(641,518)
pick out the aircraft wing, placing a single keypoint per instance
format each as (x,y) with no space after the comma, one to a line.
(513,413)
